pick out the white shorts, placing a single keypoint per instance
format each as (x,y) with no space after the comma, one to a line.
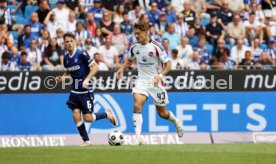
(158,93)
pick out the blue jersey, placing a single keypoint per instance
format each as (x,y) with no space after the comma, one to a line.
(153,17)
(171,17)
(15,60)
(78,66)
(127,28)
(24,66)
(26,40)
(98,13)
(36,28)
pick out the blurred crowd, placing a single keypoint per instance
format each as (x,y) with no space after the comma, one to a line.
(196,34)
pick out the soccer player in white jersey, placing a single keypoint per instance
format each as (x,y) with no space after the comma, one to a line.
(150,57)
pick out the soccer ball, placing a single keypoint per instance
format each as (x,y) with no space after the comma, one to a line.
(115,138)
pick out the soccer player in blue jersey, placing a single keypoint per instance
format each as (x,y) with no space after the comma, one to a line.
(81,67)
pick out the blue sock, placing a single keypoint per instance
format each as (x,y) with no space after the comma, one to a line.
(100,116)
(82,131)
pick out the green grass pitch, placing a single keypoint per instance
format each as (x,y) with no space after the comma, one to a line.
(146,154)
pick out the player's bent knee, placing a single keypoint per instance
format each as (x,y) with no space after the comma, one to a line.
(88,118)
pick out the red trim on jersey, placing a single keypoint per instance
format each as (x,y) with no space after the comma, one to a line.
(163,84)
(157,54)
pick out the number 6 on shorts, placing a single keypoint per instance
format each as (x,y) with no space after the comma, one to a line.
(89,105)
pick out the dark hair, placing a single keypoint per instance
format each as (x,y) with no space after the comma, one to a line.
(213,61)
(252,13)
(6,54)
(202,62)
(118,8)
(175,51)
(247,52)
(68,34)
(27,26)
(88,40)
(125,13)
(79,23)
(142,26)
(165,39)
(213,14)
(191,27)
(49,49)
(23,53)
(96,54)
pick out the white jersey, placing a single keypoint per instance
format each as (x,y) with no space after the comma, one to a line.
(149,57)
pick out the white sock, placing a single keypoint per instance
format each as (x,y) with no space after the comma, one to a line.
(172,117)
(137,122)
(78,124)
(87,126)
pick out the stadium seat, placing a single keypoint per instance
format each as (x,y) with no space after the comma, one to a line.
(52,6)
(210,48)
(13,7)
(52,2)
(15,36)
(28,10)
(228,47)
(81,20)
(263,46)
(20,20)
(204,22)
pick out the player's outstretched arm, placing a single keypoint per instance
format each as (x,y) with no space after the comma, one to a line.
(120,71)
(93,70)
(166,69)
(61,78)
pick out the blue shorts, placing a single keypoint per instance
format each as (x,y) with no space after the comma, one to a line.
(84,102)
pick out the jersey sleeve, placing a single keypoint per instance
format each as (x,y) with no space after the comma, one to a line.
(87,59)
(164,57)
(161,53)
(131,53)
